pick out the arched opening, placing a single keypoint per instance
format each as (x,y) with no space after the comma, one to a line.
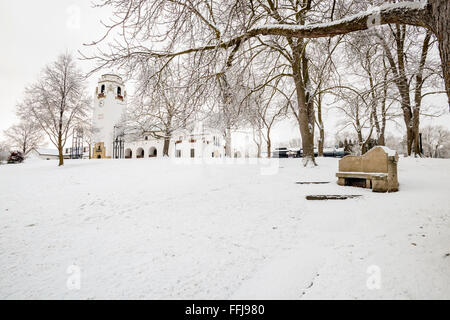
(99,157)
(128,153)
(237,154)
(102,88)
(152,153)
(139,153)
(119,91)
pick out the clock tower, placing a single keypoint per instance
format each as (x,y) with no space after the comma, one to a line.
(110,103)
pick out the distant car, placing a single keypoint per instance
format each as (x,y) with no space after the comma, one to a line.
(280,153)
(298,153)
(329,152)
(340,153)
(334,152)
(294,153)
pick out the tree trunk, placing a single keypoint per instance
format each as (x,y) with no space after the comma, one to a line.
(415,133)
(363,148)
(259,143)
(305,114)
(381,139)
(307,141)
(409,139)
(362,145)
(418,94)
(320,124)
(401,81)
(166,146)
(321,142)
(269,146)
(228,143)
(60,151)
(440,14)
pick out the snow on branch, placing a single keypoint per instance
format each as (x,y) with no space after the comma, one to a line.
(412,13)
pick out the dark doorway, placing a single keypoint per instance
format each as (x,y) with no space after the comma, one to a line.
(153,153)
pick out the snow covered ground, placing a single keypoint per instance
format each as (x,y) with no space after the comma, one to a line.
(155,229)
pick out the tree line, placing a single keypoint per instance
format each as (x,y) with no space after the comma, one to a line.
(266,59)
(235,63)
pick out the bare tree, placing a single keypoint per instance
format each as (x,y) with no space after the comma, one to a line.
(25,136)
(356,112)
(322,73)
(436,141)
(89,132)
(266,108)
(5,150)
(226,112)
(432,15)
(209,23)
(165,102)
(367,71)
(197,27)
(57,101)
(405,70)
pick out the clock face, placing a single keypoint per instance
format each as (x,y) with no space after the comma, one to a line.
(101,103)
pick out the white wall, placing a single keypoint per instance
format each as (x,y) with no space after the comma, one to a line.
(109,110)
(202,149)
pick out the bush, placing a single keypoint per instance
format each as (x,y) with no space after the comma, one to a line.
(16,157)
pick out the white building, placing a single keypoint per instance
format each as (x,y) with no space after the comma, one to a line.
(53,154)
(110,102)
(43,154)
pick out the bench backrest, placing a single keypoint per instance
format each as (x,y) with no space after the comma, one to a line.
(375,160)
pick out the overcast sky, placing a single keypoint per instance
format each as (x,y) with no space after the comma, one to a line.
(34,33)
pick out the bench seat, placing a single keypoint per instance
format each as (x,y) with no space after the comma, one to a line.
(377,181)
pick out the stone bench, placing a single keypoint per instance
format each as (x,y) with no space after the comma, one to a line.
(376,170)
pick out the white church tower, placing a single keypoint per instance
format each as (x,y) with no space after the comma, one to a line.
(110,103)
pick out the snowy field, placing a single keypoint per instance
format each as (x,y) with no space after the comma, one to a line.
(155,229)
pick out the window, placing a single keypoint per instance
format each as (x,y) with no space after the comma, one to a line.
(178,154)
(119,91)
(102,89)
(146,138)
(85,149)
(192,153)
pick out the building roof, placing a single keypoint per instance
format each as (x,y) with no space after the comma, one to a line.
(47,152)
